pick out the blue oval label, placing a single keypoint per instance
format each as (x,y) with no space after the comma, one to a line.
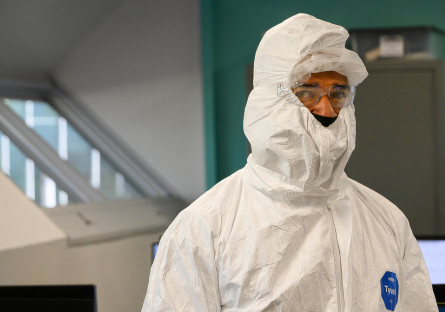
(390,290)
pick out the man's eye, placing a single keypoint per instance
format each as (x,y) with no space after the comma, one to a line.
(304,94)
(339,94)
(341,88)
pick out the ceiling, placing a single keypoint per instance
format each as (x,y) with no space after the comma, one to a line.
(36,35)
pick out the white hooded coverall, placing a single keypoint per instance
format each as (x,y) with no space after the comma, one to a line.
(290,231)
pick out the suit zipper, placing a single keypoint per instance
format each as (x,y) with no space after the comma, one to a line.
(337,263)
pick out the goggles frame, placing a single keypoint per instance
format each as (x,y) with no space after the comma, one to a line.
(327,90)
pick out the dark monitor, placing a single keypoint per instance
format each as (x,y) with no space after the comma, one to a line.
(48,298)
(439,292)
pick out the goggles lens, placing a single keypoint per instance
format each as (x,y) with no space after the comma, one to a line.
(339,95)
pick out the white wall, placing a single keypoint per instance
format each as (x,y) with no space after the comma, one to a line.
(35,251)
(22,223)
(139,72)
(120,269)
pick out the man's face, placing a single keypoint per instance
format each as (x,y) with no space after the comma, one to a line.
(325,79)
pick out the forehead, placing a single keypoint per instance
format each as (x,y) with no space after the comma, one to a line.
(327,78)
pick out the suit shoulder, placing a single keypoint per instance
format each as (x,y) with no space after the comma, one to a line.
(218,195)
(201,222)
(376,201)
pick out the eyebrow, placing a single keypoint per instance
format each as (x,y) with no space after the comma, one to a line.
(333,84)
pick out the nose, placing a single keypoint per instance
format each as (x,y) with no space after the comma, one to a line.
(323,107)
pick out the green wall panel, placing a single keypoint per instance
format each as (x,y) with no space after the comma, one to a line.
(236,28)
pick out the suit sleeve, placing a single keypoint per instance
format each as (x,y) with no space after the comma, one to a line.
(183,278)
(417,290)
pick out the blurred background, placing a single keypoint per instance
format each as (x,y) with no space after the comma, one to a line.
(117,114)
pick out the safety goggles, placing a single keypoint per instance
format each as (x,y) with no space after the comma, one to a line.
(339,95)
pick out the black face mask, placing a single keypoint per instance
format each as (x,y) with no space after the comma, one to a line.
(325,121)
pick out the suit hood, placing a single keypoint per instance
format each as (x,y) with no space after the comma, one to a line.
(285,138)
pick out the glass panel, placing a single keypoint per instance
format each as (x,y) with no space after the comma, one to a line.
(73,147)
(28,177)
(113,183)
(78,151)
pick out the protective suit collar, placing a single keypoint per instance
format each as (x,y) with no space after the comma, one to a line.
(273,183)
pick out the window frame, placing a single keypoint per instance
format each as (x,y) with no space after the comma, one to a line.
(63,173)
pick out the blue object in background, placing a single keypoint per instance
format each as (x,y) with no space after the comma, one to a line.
(441,309)
(433,251)
(155,249)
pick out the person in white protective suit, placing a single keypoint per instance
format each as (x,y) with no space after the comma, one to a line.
(290,231)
